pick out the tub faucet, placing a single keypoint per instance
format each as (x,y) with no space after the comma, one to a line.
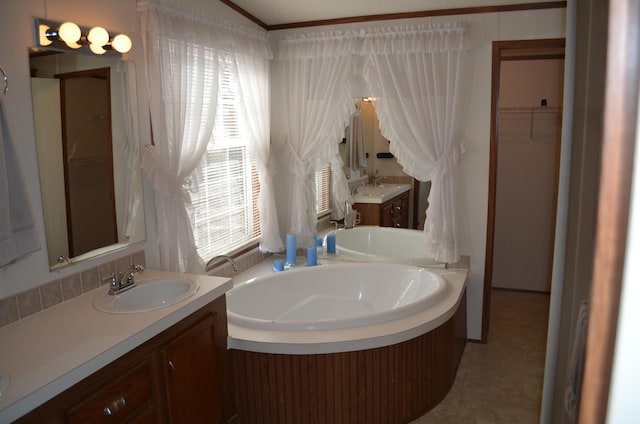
(349,218)
(215,259)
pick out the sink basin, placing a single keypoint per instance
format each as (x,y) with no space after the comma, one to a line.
(378,194)
(147,296)
(4,380)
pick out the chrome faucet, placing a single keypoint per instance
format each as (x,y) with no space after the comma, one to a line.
(354,188)
(349,218)
(215,259)
(124,281)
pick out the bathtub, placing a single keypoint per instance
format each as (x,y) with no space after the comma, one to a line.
(380,343)
(334,297)
(384,244)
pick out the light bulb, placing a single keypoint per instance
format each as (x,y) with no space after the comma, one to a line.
(70,33)
(98,36)
(96,48)
(44,40)
(121,43)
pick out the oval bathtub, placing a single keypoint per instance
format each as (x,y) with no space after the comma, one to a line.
(326,297)
(385,244)
(344,342)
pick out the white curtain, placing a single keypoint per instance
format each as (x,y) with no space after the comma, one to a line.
(415,73)
(182,54)
(132,229)
(317,105)
(253,73)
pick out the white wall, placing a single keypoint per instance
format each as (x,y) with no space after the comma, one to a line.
(474,167)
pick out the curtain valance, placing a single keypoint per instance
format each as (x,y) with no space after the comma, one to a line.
(189,26)
(386,40)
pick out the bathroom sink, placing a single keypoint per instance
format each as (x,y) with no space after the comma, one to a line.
(377,194)
(4,380)
(147,295)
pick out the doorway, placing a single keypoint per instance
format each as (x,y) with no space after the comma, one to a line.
(85,102)
(524,139)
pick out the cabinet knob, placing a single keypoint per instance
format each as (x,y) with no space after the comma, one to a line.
(172,368)
(398,208)
(114,406)
(397,225)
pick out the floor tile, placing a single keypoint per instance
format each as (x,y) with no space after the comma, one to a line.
(501,381)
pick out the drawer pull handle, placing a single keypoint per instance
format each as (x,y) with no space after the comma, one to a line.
(114,406)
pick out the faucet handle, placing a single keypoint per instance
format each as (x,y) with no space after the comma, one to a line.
(111,278)
(136,268)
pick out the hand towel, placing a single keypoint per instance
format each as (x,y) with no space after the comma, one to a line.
(18,235)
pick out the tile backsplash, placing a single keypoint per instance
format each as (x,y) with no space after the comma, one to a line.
(15,308)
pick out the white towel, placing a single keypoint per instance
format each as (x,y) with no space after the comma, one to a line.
(357,157)
(18,235)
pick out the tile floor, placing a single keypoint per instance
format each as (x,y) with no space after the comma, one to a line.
(501,381)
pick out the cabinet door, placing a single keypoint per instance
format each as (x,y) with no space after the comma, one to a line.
(404,201)
(386,215)
(191,376)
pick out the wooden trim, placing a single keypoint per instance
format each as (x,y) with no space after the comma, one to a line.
(534,57)
(97,73)
(390,384)
(403,15)
(245,13)
(620,121)
(499,53)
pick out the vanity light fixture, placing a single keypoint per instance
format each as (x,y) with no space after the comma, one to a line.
(68,36)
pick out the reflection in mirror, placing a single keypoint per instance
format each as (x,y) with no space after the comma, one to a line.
(380,164)
(87,144)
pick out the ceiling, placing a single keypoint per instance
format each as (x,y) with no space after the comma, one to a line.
(275,13)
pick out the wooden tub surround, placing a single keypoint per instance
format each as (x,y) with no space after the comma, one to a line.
(389,384)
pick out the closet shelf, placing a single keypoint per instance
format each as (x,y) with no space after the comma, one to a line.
(534,109)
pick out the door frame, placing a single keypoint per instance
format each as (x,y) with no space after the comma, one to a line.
(502,51)
(100,74)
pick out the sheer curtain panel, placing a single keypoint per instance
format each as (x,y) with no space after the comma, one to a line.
(253,73)
(415,74)
(182,51)
(317,99)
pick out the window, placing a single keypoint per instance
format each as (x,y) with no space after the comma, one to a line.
(323,190)
(225,215)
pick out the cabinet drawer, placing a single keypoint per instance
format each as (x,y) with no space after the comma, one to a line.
(118,401)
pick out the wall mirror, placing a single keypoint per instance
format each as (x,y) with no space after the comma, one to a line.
(87,142)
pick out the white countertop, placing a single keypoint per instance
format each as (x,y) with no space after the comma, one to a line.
(48,352)
(379,194)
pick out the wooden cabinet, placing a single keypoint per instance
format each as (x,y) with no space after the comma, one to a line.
(392,213)
(181,375)
(128,397)
(189,365)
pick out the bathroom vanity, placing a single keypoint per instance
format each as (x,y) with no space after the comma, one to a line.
(163,365)
(385,206)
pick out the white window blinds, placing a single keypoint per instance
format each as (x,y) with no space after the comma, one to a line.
(225,216)
(323,190)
